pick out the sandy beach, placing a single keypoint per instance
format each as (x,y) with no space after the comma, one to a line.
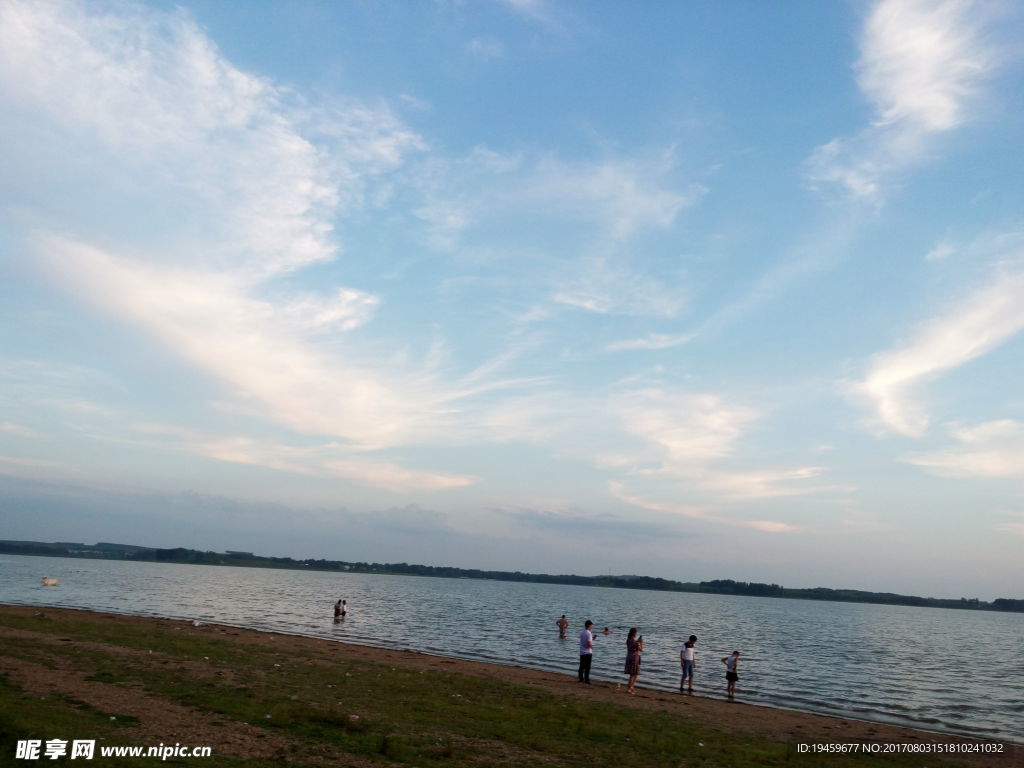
(153,716)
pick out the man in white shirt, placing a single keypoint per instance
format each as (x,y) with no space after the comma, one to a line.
(586,651)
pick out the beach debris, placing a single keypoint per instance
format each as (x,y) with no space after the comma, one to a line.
(196,623)
(353,718)
(49,581)
(267,717)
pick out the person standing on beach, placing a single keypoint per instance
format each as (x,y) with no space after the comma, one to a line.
(687,660)
(563,625)
(586,651)
(732,672)
(634,647)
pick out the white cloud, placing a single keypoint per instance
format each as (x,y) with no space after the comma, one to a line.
(382,474)
(245,175)
(762,483)
(616,196)
(9,428)
(940,252)
(609,285)
(689,430)
(591,208)
(23,466)
(485,48)
(921,66)
(619,491)
(210,323)
(691,437)
(992,449)
(626,195)
(969,329)
(347,309)
(653,341)
(328,460)
(920,60)
(1015,527)
(772,526)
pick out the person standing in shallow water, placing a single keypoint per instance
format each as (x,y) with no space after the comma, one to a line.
(586,651)
(732,673)
(563,625)
(337,611)
(687,660)
(634,647)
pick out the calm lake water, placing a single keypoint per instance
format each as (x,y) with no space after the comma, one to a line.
(955,671)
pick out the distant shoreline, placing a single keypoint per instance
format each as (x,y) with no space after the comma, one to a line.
(55,625)
(183,556)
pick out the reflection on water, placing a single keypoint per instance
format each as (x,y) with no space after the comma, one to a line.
(956,671)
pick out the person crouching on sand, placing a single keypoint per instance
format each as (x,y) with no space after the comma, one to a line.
(732,673)
(634,647)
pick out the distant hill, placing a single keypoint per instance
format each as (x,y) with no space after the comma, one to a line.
(108,551)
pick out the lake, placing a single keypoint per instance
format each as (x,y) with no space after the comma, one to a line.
(945,670)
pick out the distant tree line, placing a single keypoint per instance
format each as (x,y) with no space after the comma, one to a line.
(106,550)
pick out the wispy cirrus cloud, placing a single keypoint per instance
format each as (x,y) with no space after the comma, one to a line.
(592,209)
(619,491)
(485,48)
(256,173)
(992,449)
(610,284)
(312,460)
(269,372)
(1013,526)
(653,341)
(244,182)
(687,429)
(691,437)
(921,67)
(615,196)
(963,331)
(624,194)
(18,430)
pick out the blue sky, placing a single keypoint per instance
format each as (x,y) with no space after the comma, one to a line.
(695,290)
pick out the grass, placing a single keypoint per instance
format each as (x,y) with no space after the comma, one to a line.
(334,710)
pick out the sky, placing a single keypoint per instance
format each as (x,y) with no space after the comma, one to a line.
(691,290)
